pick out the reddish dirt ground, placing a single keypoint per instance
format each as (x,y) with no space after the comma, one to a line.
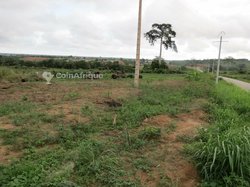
(52,99)
(168,154)
(42,93)
(6,155)
(5,124)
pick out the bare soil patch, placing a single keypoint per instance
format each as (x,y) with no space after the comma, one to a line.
(5,86)
(171,163)
(161,120)
(39,92)
(5,124)
(71,113)
(6,155)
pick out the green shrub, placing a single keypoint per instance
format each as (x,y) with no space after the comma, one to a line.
(222,154)
(225,155)
(194,76)
(9,74)
(233,97)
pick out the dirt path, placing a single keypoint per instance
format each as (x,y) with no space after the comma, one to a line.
(171,160)
(241,84)
(184,171)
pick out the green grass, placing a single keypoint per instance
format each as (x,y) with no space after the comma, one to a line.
(18,74)
(103,153)
(159,77)
(32,170)
(98,164)
(150,133)
(33,118)
(222,154)
(71,96)
(28,122)
(9,108)
(143,164)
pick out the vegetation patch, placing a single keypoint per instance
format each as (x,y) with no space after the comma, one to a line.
(222,153)
(150,133)
(133,139)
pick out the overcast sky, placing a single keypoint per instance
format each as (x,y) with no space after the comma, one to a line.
(108,27)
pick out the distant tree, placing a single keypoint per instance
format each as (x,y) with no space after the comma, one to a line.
(155,64)
(228,61)
(146,66)
(163,65)
(165,34)
(116,66)
(242,68)
(96,64)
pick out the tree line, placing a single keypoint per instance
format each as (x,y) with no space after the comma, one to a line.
(66,64)
(155,66)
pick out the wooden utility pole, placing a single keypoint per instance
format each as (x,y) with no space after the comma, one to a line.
(138,47)
(219,57)
(218,65)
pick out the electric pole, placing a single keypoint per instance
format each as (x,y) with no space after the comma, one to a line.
(218,65)
(138,47)
(219,57)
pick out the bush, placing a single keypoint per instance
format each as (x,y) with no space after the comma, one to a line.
(194,76)
(9,74)
(222,155)
(225,155)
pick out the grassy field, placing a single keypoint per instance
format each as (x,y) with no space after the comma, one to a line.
(222,154)
(176,130)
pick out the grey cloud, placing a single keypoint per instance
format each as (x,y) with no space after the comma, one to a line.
(108,27)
